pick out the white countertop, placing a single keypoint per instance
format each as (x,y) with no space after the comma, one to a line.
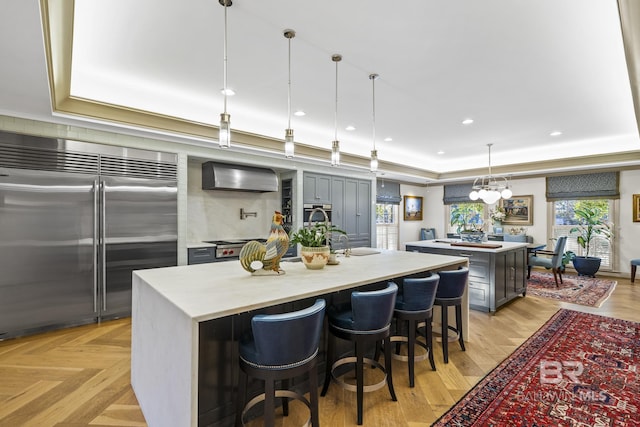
(215,290)
(446,244)
(192,245)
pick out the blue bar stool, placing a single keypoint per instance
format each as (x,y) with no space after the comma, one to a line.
(281,347)
(450,289)
(366,321)
(415,309)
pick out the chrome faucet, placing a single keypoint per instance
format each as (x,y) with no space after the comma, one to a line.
(347,251)
(313,212)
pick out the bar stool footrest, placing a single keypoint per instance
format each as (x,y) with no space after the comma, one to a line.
(279,393)
(416,358)
(351,387)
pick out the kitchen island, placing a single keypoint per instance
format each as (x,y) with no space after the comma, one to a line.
(497,270)
(186,321)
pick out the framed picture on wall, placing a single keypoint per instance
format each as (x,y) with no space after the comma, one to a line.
(636,208)
(519,210)
(412,208)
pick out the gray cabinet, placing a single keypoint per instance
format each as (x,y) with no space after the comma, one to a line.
(316,188)
(494,277)
(201,255)
(351,200)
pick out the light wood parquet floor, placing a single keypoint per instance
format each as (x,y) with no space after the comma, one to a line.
(81,376)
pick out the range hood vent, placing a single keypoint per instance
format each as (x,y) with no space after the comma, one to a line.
(221,176)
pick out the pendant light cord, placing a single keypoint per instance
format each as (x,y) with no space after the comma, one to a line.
(224,73)
(336,111)
(373,85)
(289,83)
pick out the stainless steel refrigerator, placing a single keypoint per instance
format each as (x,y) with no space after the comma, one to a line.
(69,238)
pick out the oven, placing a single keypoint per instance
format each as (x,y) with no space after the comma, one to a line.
(312,212)
(229,249)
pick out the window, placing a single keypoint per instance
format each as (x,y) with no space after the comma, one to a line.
(387,226)
(564,219)
(473,213)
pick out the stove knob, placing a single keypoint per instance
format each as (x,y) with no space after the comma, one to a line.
(231,251)
(224,252)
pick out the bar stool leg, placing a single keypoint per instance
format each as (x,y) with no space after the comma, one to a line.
(459,326)
(269,401)
(633,273)
(313,396)
(445,333)
(428,335)
(387,367)
(285,400)
(411,350)
(360,378)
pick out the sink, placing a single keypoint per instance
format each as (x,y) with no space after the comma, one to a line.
(364,251)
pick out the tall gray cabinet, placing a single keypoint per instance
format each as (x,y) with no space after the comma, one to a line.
(351,204)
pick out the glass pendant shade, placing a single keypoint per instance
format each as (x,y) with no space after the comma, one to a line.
(374,161)
(224,133)
(335,153)
(289,146)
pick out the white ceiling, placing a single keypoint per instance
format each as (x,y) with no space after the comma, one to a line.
(520,69)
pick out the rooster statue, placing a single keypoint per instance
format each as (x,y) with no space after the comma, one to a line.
(269,253)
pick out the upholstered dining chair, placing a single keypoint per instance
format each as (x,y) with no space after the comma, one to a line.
(427,233)
(540,258)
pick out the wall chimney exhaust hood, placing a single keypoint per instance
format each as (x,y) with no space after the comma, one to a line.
(221,176)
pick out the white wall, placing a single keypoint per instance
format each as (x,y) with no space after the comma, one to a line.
(627,231)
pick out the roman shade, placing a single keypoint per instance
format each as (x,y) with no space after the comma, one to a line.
(388,192)
(457,193)
(602,185)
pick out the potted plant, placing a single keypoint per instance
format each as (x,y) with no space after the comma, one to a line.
(591,226)
(315,242)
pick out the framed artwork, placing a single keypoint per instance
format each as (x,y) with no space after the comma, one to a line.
(412,208)
(519,210)
(636,208)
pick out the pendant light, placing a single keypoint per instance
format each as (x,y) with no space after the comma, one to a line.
(335,145)
(374,153)
(224,132)
(490,188)
(289,146)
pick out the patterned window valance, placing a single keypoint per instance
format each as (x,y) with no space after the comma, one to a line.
(388,192)
(456,193)
(603,185)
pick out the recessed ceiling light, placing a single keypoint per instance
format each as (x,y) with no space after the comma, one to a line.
(229,92)
(555,133)
(299,113)
(350,128)
(440,152)
(388,139)
(467,121)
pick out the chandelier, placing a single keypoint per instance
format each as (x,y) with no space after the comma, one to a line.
(224,132)
(490,188)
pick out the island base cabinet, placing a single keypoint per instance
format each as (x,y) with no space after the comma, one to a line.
(494,277)
(511,278)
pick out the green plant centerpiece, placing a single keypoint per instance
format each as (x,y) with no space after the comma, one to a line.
(465,217)
(315,242)
(592,225)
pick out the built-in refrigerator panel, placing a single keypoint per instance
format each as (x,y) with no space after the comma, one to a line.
(47,250)
(139,230)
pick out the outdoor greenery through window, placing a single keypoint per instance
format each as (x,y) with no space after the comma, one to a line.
(387,226)
(565,219)
(466,216)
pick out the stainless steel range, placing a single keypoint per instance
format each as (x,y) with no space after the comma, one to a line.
(228,250)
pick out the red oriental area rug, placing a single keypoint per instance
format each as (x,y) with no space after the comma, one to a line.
(574,289)
(579,369)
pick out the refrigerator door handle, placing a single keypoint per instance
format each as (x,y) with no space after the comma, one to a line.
(104,244)
(95,246)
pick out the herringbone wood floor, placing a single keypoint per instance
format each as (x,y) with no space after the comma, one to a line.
(80,376)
